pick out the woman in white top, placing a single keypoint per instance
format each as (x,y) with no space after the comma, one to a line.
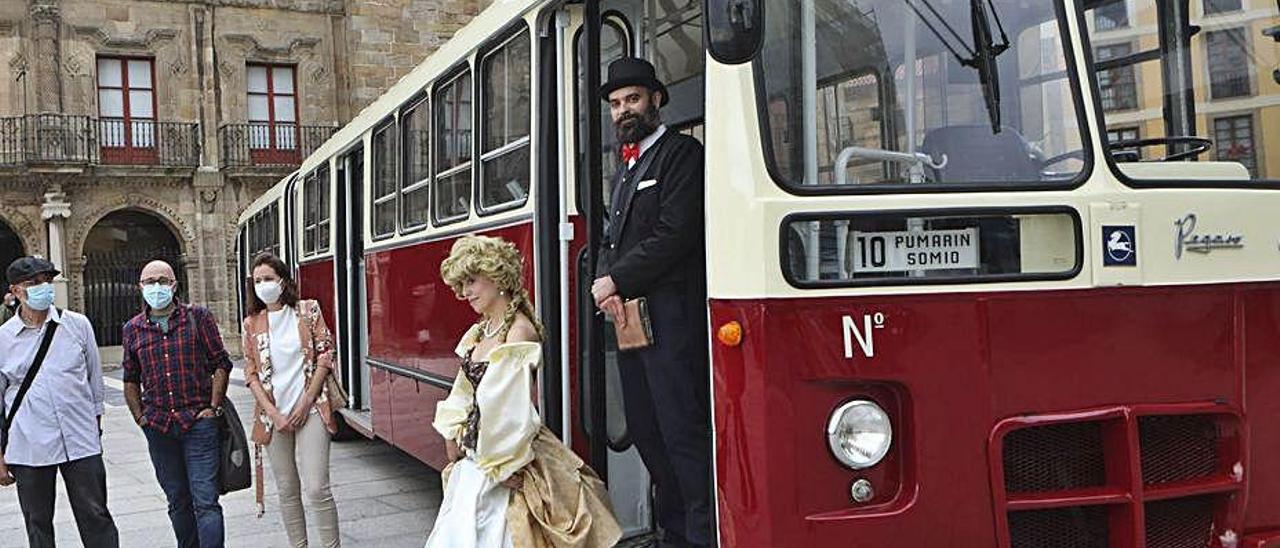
(510,481)
(288,358)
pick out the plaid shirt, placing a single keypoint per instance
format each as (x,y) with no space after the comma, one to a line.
(175,368)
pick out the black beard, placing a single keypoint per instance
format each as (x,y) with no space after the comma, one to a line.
(643,126)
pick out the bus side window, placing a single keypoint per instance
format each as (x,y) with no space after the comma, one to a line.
(505,100)
(451,197)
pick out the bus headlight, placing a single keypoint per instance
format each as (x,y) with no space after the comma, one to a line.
(859,434)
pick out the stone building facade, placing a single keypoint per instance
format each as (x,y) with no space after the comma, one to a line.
(142,128)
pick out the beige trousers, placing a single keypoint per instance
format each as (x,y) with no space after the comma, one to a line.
(300,464)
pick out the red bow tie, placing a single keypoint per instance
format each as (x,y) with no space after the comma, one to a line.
(630,152)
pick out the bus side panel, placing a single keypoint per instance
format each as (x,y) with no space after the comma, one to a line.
(415,321)
(1262,385)
(948,369)
(315,281)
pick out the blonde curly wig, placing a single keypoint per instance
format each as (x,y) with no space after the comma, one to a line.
(500,262)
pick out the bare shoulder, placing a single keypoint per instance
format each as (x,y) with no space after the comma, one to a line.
(522,330)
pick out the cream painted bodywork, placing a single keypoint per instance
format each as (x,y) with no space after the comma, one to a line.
(745,209)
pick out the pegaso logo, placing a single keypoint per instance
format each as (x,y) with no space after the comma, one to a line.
(1186,239)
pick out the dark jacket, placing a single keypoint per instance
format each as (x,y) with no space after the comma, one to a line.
(655,237)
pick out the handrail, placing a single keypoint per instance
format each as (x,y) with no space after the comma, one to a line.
(915,160)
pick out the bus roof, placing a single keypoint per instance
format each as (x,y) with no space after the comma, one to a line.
(470,37)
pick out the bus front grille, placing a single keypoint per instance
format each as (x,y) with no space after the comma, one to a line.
(1079,527)
(1056,457)
(1178,447)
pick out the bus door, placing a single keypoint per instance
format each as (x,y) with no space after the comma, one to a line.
(668,34)
(349,280)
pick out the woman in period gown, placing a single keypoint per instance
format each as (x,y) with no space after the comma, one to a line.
(510,483)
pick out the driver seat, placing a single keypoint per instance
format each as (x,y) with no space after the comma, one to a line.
(975,155)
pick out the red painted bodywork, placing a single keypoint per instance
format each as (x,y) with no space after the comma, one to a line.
(315,281)
(955,371)
(415,321)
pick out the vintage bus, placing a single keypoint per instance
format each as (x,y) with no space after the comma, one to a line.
(980,272)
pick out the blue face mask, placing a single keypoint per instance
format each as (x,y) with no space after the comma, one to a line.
(40,297)
(158,296)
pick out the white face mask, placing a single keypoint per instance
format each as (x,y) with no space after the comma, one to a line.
(269,292)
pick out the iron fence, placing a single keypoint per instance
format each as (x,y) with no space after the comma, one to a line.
(111,292)
(270,143)
(148,142)
(58,138)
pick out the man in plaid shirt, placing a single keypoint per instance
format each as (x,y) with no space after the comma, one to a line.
(175,379)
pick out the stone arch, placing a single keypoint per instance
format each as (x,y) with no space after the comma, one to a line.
(113,251)
(181,229)
(12,245)
(31,234)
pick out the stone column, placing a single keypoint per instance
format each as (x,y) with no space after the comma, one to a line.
(47,17)
(55,210)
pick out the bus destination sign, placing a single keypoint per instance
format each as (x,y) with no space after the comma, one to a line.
(905,251)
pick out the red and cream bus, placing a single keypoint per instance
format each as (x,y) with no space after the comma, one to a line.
(981,272)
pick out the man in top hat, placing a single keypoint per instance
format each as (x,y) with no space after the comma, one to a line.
(52,414)
(654,247)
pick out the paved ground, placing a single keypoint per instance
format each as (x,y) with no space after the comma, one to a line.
(385,498)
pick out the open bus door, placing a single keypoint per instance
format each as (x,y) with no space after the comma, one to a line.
(349,280)
(671,38)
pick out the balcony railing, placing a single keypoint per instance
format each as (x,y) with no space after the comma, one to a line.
(148,142)
(69,139)
(270,144)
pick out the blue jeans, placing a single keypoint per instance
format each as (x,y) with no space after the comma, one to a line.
(186,466)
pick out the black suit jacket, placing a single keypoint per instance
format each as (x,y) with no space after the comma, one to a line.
(655,239)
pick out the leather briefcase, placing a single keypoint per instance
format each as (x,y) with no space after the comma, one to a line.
(638,331)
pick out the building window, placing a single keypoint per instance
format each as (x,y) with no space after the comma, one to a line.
(1220,6)
(452,194)
(384,180)
(1229,71)
(315,213)
(415,125)
(1120,135)
(1233,141)
(1112,15)
(273,112)
(1117,85)
(127,110)
(504,158)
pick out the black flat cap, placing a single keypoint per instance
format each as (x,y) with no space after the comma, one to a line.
(24,268)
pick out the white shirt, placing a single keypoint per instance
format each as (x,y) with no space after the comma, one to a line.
(288,379)
(58,419)
(647,143)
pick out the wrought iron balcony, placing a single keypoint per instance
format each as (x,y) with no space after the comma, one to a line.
(44,139)
(270,143)
(148,142)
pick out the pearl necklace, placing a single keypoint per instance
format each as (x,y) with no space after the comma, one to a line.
(484,329)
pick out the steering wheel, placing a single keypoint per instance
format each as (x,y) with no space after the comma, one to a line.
(1200,145)
(1045,174)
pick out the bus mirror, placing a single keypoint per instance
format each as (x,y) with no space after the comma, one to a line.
(734,29)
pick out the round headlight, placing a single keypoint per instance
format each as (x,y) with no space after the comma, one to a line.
(859,434)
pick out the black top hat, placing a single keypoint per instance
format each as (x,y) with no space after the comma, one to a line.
(24,268)
(633,71)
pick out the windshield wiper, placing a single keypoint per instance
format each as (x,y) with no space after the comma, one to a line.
(981,56)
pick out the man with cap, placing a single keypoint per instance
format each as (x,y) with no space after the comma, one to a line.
(52,413)
(175,380)
(654,247)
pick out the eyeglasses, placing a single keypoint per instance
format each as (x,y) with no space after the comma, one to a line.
(160,280)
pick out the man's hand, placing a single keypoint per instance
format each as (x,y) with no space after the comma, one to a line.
(603,288)
(6,478)
(614,308)
(301,411)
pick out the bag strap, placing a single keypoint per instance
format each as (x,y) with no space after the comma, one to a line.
(26,383)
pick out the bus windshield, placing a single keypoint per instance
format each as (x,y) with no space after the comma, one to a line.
(861,94)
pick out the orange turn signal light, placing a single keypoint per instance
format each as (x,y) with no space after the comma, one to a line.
(730,334)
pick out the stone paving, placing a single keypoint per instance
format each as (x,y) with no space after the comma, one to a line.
(385,498)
